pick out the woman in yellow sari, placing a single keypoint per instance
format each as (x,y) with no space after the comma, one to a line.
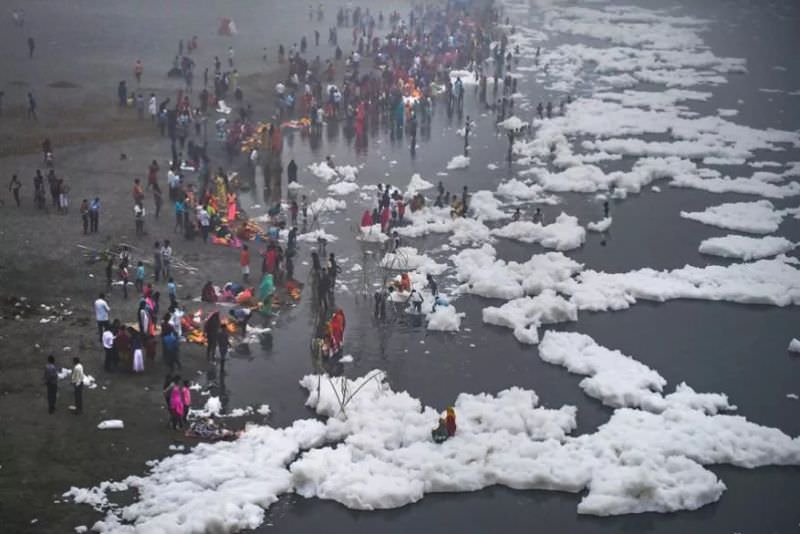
(220,190)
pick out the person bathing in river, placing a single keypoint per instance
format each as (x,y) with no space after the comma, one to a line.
(446,428)
(416,300)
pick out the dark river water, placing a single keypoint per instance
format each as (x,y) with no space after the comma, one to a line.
(719,347)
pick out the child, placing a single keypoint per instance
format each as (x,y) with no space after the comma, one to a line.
(124,276)
(172,291)
(176,408)
(175,321)
(244,262)
(138,353)
(139,282)
(109,271)
(187,402)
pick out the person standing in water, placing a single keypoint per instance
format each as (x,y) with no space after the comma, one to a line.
(77,378)
(51,381)
(14,186)
(32,107)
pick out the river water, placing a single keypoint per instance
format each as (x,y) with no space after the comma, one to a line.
(731,348)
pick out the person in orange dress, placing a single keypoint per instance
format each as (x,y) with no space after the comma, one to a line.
(231,207)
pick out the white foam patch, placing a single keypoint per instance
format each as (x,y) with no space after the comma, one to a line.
(428,220)
(222,487)
(324,172)
(770,281)
(417,184)
(458,162)
(513,123)
(481,273)
(342,188)
(582,178)
(638,461)
(517,190)
(327,204)
(600,226)
(759,217)
(618,380)
(563,234)
(747,186)
(372,234)
(409,259)
(316,235)
(467,231)
(445,319)
(745,248)
(485,207)
(524,315)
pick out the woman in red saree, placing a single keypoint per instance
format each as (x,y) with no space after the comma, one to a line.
(337,325)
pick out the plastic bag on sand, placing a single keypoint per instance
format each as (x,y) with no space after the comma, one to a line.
(111,424)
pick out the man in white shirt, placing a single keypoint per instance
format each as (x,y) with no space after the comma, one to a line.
(173,181)
(205,222)
(175,321)
(77,378)
(108,346)
(166,259)
(101,310)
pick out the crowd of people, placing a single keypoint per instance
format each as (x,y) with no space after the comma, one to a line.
(397,70)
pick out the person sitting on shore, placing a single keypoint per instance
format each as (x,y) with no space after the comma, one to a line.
(209,430)
(209,294)
(241,316)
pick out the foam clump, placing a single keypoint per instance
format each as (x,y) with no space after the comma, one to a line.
(481,273)
(769,281)
(417,184)
(326,173)
(372,234)
(410,259)
(445,319)
(485,207)
(324,204)
(744,247)
(620,381)
(563,234)
(758,217)
(600,226)
(524,315)
(517,190)
(458,162)
(217,487)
